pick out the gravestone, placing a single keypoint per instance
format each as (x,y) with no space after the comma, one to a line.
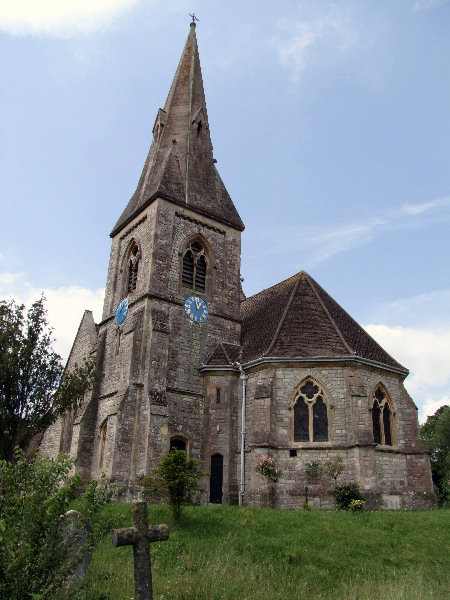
(75,533)
(140,536)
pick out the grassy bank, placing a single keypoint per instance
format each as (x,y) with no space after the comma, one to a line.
(247,554)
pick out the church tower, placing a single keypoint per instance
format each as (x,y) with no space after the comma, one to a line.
(175,259)
(172,292)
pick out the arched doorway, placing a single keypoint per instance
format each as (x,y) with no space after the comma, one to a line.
(178,444)
(216,479)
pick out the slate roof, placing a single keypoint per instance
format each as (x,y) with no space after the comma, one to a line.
(180,164)
(223,354)
(298,319)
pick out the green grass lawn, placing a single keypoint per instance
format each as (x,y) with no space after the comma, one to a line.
(227,552)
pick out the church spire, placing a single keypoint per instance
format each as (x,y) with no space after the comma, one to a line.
(180,164)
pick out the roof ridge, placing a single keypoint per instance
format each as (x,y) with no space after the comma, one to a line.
(280,324)
(332,321)
(225,352)
(271,287)
(361,328)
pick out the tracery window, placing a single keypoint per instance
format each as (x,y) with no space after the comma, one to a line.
(382,417)
(310,414)
(132,268)
(194,267)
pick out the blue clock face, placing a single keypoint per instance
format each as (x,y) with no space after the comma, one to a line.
(122,311)
(196,309)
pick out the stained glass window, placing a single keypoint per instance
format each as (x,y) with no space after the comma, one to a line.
(310,414)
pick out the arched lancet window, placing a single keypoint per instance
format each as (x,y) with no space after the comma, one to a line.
(310,414)
(376,423)
(102,446)
(132,268)
(382,417)
(66,433)
(194,267)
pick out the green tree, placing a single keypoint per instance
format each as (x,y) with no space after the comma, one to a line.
(435,433)
(34,390)
(177,475)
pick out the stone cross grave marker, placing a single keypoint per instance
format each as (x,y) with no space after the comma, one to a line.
(140,536)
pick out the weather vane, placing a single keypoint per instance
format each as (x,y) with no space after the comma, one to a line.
(193,17)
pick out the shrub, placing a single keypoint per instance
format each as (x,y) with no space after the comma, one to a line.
(95,496)
(313,470)
(35,557)
(33,497)
(344,494)
(334,467)
(176,475)
(357,505)
(266,468)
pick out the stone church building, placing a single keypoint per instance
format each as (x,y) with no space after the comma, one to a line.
(189,362)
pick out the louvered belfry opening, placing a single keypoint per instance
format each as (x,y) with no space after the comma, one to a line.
(188,269)
(381,418)
(133,265)
(310,414)
(194,267)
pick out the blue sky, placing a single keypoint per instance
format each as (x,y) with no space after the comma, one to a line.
(330,123)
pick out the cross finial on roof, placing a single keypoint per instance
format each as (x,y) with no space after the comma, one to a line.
(193,17)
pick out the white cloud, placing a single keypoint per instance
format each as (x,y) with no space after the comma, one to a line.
(357,234)
(418,209)
(321,37)
(429,310)
(430,406)
(424,351)
(65,306)
(342,239)
(319,244)
(9,279)
(427,4)
(60,17)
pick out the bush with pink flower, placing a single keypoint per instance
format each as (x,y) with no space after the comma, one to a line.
(266,467)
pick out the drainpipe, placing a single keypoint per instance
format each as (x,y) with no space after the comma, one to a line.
(243,378)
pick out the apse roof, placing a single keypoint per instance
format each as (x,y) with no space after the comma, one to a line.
(298,319)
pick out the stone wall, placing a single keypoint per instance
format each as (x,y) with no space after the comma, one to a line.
(60,437)
(151,389)
(389,476)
